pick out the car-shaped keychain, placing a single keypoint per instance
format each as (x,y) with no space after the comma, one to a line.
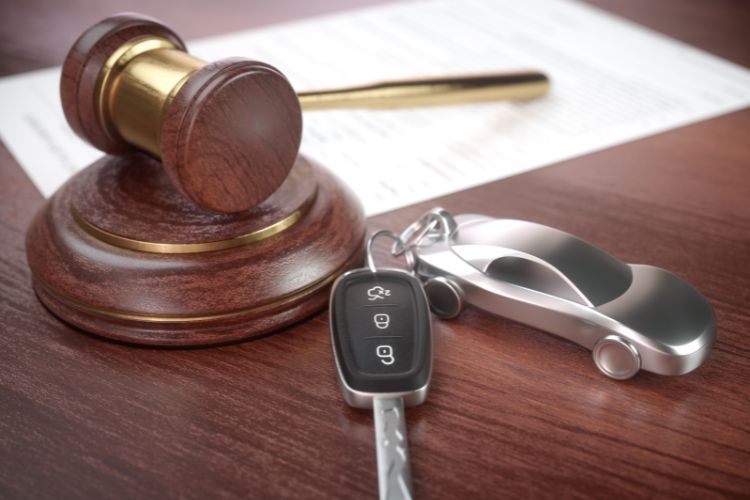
(631,316)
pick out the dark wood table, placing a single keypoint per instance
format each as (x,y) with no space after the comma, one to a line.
(513,411)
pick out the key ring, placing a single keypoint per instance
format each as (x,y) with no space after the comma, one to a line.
(383,232)
(412,236)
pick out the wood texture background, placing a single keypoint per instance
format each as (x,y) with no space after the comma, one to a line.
(513,412)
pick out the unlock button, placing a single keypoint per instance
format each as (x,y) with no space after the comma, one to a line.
(385,353)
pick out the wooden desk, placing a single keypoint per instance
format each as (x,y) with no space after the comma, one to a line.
(513,412)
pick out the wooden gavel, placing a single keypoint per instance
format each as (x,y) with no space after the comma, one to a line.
(222,231)
(227,132)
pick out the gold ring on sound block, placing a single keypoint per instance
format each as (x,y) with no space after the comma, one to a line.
(122,315)
(185,248)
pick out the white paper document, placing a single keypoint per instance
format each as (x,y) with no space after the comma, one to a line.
(612,82)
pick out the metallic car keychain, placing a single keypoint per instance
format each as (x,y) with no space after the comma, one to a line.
(631,316)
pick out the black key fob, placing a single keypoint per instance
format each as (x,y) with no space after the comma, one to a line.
(381,335)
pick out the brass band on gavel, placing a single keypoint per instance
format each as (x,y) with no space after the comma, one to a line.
(142,77)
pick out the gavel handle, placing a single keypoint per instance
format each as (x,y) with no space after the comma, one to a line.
(440,91)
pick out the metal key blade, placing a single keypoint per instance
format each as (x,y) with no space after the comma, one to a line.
(394,471)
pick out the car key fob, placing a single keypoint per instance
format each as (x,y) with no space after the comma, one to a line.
(381,336)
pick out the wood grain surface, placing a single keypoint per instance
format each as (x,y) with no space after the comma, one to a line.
(513,412)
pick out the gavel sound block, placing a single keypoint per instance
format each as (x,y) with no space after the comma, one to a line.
(202,225)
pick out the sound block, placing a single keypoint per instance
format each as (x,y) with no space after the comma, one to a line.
(119,252)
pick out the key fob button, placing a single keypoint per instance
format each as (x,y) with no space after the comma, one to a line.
(385,356)
(381,321)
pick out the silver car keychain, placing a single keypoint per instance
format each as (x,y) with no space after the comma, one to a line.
(631,316)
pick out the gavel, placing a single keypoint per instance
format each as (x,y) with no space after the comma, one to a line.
(203,225)
(151,94)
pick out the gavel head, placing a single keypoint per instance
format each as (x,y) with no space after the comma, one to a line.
(226,132)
